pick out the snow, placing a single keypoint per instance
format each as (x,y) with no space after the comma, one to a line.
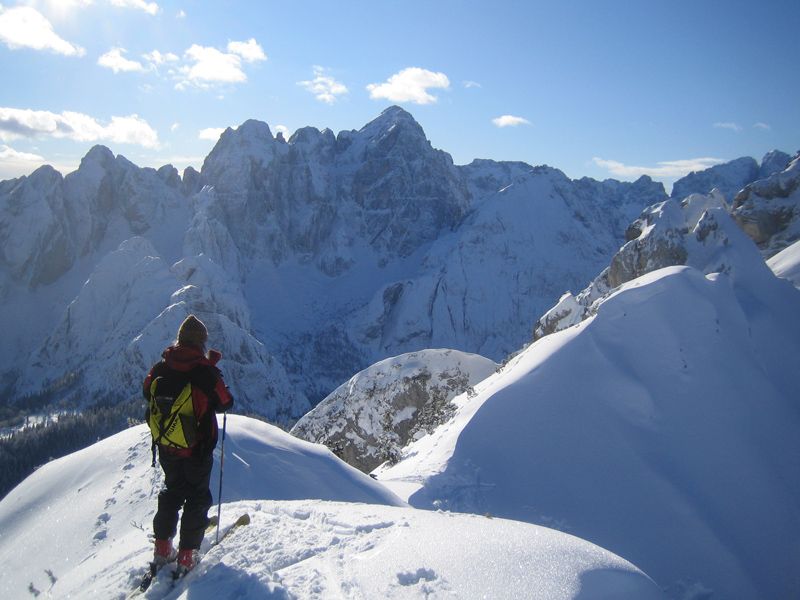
(786,264)
(663,428)
(77,528)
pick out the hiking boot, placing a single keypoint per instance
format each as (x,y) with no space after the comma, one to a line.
(187,560)
(164,552)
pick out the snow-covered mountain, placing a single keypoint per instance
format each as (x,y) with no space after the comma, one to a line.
(78,528)
(769,209)
(730,177)
(663,426)
(697,231)
(308,259)
(367,420)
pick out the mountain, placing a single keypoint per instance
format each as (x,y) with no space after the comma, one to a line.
(78,527)
(769,209)
(663,427)
(367,420)
(308,260)
(730,177)
(697,231)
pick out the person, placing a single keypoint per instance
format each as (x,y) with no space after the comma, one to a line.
(186,435)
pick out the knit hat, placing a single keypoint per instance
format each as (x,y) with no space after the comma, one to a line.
(192,331)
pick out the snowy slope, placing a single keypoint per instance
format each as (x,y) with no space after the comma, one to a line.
(663,428)
(786,263)
(78,528)
(380,409)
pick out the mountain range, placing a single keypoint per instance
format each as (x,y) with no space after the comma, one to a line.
(308,259)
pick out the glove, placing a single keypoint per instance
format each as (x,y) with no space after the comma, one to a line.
(214,356)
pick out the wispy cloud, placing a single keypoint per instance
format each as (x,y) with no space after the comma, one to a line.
(207,66)
(728,125)
(156,58)
(174,127)
(510,121)
(764,126)
(25,123)
(472,84)
(282,129)
(114,60)
(669,169)
(210,133)
(25,27)
(410,85)
(181,14)
(150,8)
(324,87)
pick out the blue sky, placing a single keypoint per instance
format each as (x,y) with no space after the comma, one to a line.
(597,88)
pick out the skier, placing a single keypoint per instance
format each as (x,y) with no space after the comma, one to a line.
(184,391)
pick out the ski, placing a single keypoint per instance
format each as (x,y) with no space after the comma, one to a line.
(147,579)
(244,519)
(154,568)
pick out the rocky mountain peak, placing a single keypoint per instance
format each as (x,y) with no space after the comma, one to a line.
(728,178)
(98,155)
(773,162)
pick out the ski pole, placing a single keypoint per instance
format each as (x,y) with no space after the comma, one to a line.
(221,468)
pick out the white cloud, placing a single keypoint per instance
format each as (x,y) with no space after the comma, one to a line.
(8,153)
(510,121)
(472,84)
(150,8)
(25,27)
(114,60)
(282,129)
(210,133)
(156,58)
(324,87)
(174,127)
(410,85)
(181,14)
(764,126)
(62,8)
(250,50)
(670,169)
(210,66)
(727,125)
(16,123)
(14,163)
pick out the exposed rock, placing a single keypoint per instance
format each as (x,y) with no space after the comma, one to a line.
(367,420)
(697,231)
(769,209)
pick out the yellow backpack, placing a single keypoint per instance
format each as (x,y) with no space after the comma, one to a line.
(171,415)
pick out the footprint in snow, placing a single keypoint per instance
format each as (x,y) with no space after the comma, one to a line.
(414,578)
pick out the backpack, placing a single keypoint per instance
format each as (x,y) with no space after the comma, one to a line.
(171,415)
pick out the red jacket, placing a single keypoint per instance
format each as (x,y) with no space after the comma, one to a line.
(209,393)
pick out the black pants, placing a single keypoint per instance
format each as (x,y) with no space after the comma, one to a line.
(187,486)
